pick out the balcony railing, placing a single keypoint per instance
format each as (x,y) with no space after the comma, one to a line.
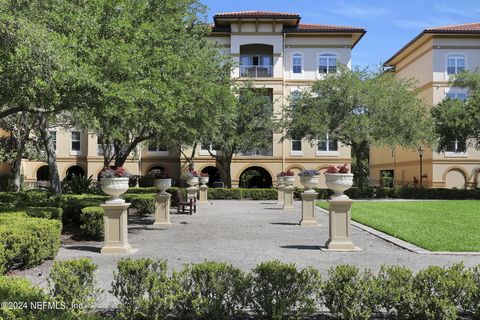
(258,71)
(257,153)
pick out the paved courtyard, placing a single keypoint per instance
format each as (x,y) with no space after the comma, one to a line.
(244,233)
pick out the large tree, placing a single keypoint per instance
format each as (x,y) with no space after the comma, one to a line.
(459,120)
(361,108)
(246,124)
(37,73)
(153,72)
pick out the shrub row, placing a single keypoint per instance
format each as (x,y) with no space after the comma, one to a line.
(273,290)
(405,192)
(26,241)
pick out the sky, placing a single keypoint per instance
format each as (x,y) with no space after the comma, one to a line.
(390,24)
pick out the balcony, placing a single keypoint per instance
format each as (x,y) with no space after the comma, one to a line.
(256,61)
(258,71)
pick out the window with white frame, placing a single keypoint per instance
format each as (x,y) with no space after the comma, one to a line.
(327,145)
(156,147)
(456,94)
(75,142)
(455,64)
(53,137)
(297,63)
(327,63)
(296,146)
(456,146)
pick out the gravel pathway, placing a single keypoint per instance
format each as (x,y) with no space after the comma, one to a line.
(244,233)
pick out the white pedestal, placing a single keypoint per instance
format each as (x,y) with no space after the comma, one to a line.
(203,194)
(308,209)
(288,198)
(280,194)
(162,209)
(116,229)
(340,230)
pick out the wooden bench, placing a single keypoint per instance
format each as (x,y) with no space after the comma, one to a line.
(182,203)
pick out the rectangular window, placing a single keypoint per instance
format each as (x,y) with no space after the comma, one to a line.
(327,145)
(75,141)
(457,95)
(456,147)
(296,145)
(297,63)
(53,137)
(327,63)
(155,147)
(455,64)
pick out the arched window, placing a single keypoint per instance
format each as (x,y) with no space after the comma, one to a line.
(455,63)
(297,63)
(327,63)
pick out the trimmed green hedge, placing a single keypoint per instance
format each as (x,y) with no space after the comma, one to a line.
(72,206)
(143,203)
(28,241)
(92,224)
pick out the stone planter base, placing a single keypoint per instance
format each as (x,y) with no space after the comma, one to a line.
(203,194)
(162,209)
(280,194)
(116,229)
(340,230)
(288,198)
(308,209)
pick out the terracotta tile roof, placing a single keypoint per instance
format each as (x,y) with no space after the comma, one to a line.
(324,27)
(255,14)
(466,27)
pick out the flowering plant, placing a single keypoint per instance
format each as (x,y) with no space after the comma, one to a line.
(160,174)
(338,169)
(288,173)
(191,174)
(309,173)
(204,174)
(119,172)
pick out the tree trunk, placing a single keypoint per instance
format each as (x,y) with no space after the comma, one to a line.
(55,184)
(16,170)
(359,170)
(224,164)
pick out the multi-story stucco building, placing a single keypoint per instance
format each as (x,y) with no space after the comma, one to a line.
(432,58)
(274,50)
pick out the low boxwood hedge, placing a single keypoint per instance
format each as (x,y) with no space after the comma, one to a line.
(92,224)
(143,204)
(28,241)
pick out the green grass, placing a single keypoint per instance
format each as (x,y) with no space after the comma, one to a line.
(452,225)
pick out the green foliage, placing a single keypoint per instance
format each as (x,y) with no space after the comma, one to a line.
(397,294)
(20,290)
(144,289)
(440,292)
(3,259)
(73,283)
(144,204)
(28,241)
(6,181)
(45,212)
(211,290)
(361,108)
(72,206)
(473,306)
(225,194)
(456,119)
(350,293)
(77,185)
(280,291)
(91,223)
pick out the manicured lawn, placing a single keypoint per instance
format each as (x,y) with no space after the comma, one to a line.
(434,225)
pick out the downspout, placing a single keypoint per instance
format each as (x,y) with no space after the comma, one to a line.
(283,99)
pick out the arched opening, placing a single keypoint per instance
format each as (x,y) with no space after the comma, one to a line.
(43,174)
(215,180)
(155,168)
(76,171)
(455,179)
(255,177)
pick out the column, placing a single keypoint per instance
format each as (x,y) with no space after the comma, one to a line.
(308,209)
(340,233)
(203,194)
(281,194)
(162,209)
(288,198)
(116,228)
